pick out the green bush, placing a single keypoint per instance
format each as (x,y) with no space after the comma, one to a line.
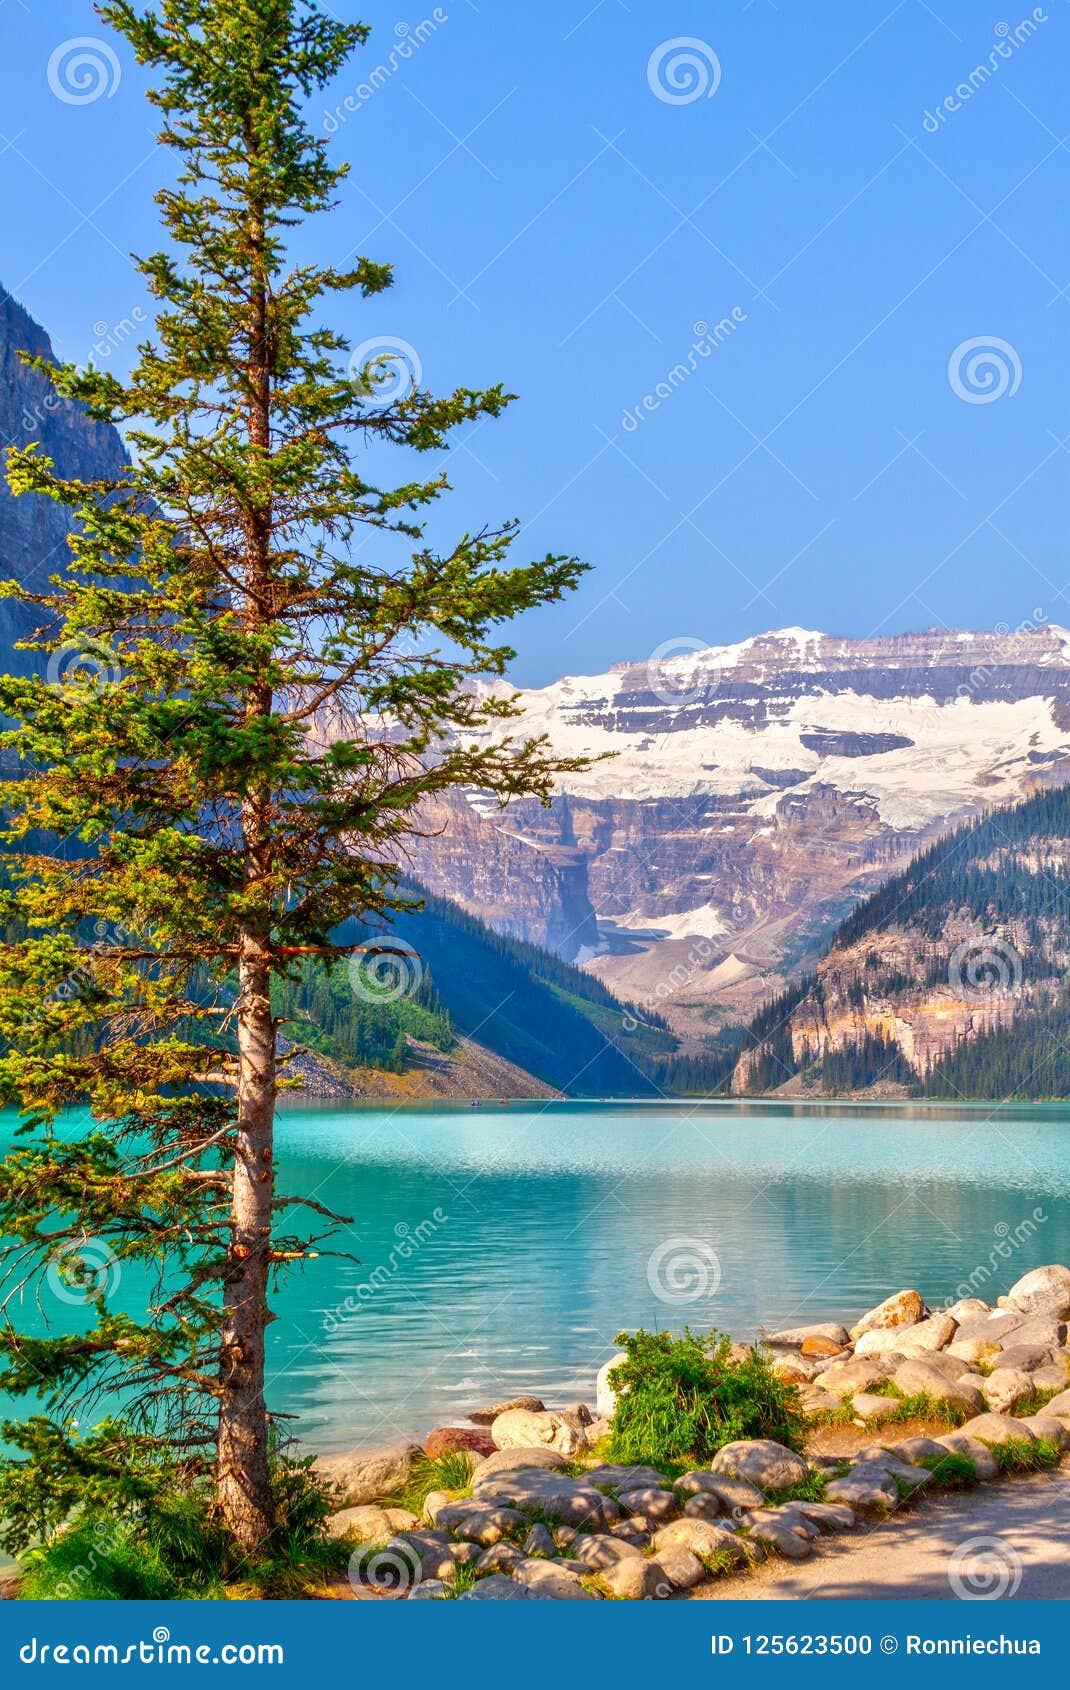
(683,1399)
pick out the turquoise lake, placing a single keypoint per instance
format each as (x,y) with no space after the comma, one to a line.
(502,1248)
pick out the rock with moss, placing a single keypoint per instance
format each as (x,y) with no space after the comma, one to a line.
(916,1378)
(713,1544)
(1005,1388)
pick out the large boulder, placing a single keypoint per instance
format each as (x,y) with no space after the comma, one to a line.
(522,1428)
(473,1440)
(1046,1290)
(636,1581)
(367,1475)
(605,1397)
(618,1477)
(497,1588)
(548,1579)
(903,1308)
(370,1523)
(768,1465)
(682,1569)
(728,1492)
(915,1378)
(1059,1405)
(932,1334)
(551,1495)
(968,1308)
(512,1460)
(1044,1425)
(866,1486)
(597,1550)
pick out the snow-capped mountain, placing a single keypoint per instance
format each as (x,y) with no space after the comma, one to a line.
(755,791)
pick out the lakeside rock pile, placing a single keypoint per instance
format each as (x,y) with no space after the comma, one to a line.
(546,1519)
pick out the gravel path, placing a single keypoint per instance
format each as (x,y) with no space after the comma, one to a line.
(1025,1525)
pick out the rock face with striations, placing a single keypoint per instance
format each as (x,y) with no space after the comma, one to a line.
(33,530)
(756,792)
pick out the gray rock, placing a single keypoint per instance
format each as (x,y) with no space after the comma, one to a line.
(432,1591)
(865,1486)
(769,1465)
(777,1531)
(512,1460)
(564,1536)
(539,1542)
(797,1369)
(793,1337)
(498,1588)
(1026,1357)
(482,1522)
(370,1523)
(912,1450)
(995,1429)
(914,1478)
(501,1559)
(565,1500)
(407,1558)
(829,1516)
(968,1308)
(649,1504)
(843,1378)
(682,1569)
(873,1409)
(951,1366)
(487,1416)
(1006,1387)
(367,1475)
(704,1505)
(997,1326)
(605,1397)
(730,1492)
(915,1377)
(547,1579)
(596,1551)
(1050,1377)
(637,1580)
(924,1335)
(1045,1290)
(619,1478)
(1045,1425)
(523,1428)
(713,1544)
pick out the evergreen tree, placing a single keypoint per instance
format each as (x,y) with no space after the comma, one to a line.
(271,703)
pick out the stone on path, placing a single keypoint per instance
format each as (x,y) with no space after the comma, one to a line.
(539,1542)
(996,1429)
(865,1486)
(622,1478)
(649,1504)
(680,1566)
(370,1523)
(873,1408)
(730,1492)
(710,1542)
(596,1551)
(568,1501)
(637,1580)
(778,1531)
(769,1465)
(545,1578)
(498,1588)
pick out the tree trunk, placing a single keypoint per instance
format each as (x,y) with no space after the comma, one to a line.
(243,1488)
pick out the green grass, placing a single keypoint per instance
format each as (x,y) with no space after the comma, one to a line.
(175,1548)
(1018,1455)
(450,1472)
(464,1578)
(682,1399)
(951,1468)
(1037,1401)
(810,1489)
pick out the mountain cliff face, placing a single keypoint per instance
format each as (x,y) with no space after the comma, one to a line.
(33,530)
(757,791)
(949,981)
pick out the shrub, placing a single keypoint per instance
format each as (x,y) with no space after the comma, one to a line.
(685,1398)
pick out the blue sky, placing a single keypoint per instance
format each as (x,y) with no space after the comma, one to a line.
(556,223)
